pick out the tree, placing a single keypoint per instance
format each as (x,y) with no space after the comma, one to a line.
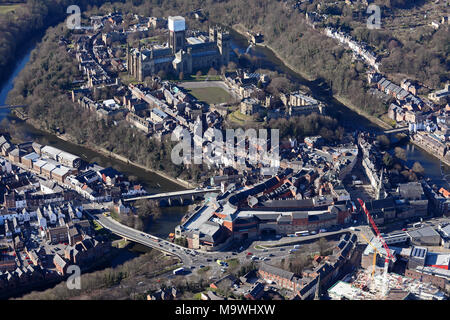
(400,153)
(323,246)
(148,208)
(231,66)
(417,168)
(162,74)
(384,141)
(212,72)
(388,160)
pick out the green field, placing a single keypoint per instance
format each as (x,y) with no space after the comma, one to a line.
(211,95)
(7,8)
(239,118)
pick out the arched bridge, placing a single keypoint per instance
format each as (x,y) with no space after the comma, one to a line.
(177,195)
(397,130)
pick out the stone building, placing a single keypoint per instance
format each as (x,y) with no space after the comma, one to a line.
(184,54)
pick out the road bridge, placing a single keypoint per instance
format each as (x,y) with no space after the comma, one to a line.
(397,130)
(142,237)
(177,195)
(11,107)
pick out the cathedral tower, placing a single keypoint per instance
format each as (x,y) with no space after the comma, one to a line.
(177,30)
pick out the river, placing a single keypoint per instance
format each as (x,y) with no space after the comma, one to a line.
(154,183)
(349,119)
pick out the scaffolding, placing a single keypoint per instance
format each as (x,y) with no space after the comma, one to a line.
(372,289)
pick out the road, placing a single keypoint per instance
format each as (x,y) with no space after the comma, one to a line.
(142,238)
(194,259)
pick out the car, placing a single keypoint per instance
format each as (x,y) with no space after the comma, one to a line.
(313,232)
(282,249)
(404,229)
(142,234)
(249,253)
(271,255)
(265,250)
(201,266)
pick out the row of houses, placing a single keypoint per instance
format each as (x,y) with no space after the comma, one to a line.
(306,285)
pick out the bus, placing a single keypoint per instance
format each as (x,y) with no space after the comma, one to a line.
(302,233)
(154,238)
(179,271)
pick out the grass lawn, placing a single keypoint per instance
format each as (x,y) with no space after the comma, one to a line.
(232,263)
(126,79)
(204,269)
(121,243)
(7,8)
(211,95)
(97,226)
(240,118)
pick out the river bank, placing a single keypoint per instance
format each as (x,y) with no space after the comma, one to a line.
(110,154)
(374,120)
(430,152)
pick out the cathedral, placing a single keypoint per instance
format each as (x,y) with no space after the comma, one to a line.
(183,54)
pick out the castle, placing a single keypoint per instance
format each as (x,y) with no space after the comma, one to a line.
(183,54)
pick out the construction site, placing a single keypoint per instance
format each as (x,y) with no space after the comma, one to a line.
(375,282)
(362,286)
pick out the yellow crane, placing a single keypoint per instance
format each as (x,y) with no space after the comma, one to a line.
(374,254)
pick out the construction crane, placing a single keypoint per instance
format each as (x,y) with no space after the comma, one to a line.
(389,255)
(375,252)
